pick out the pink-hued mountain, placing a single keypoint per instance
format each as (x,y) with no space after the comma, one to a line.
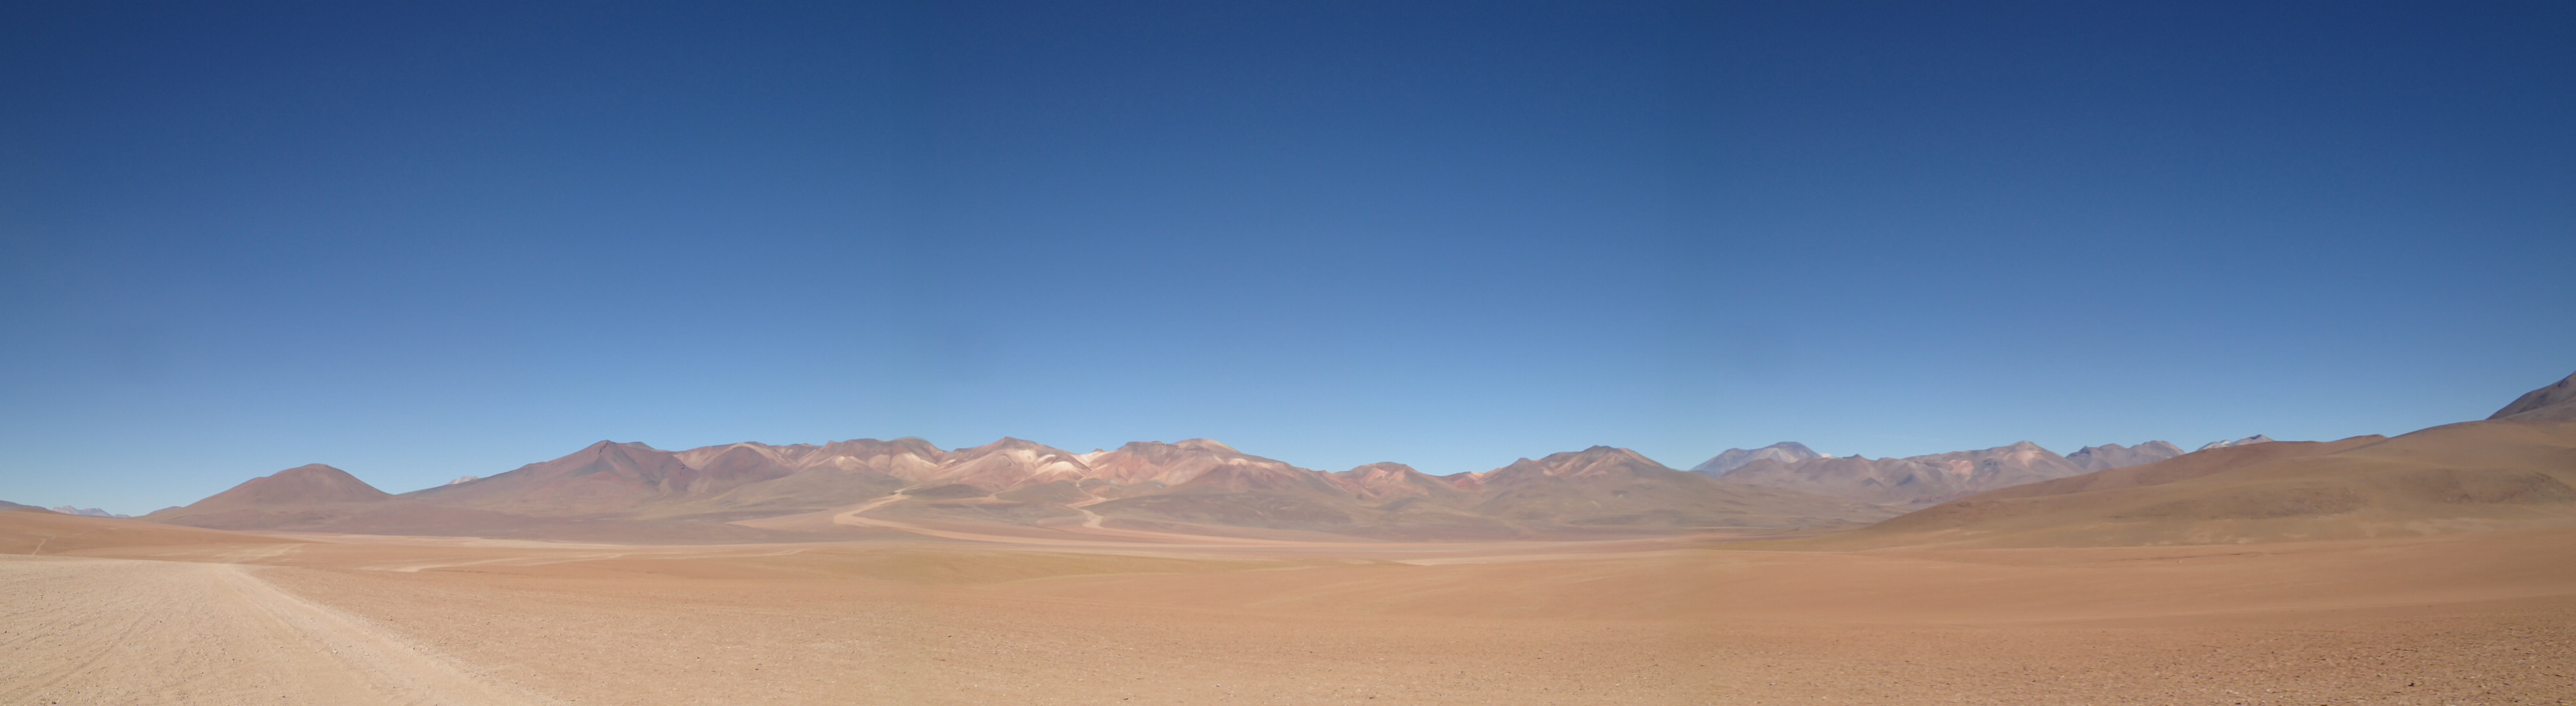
(1174,463)
(1008,464)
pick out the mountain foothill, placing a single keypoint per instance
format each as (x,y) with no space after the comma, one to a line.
(2514,469)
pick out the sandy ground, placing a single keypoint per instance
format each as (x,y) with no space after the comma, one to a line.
(103,631)
(2458,619)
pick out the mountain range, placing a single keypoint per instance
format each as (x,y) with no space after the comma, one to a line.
(1919,480)
(761,492)
(2515,469)
(1196,485)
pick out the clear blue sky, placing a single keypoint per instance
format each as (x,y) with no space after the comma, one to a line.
(423,241)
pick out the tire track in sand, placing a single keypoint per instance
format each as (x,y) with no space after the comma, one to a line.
(76,630)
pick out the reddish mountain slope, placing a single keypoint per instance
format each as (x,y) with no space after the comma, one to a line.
(606,477)
(302,485)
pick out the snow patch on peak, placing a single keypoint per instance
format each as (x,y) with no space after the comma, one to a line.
(2255,439)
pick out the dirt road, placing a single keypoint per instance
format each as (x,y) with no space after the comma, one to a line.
(107,631)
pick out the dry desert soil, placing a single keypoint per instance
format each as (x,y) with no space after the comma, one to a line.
(184,616)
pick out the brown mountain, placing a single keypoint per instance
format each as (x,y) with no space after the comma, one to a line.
(302,485)
(2555,403)
(303,497)
(2110,456)
(6,505)
(324,499)
(604,478)
(321,498)
(1913,480)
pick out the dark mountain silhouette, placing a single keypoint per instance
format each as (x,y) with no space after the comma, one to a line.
(2554,403)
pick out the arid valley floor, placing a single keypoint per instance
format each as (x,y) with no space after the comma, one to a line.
(2445,619)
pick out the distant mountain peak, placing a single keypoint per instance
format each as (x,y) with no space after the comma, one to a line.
(1381,468)
(1909,480)
(1591,462)
(1731,459)
(2110,456)
(2255,439)
(607,444)
(304,485)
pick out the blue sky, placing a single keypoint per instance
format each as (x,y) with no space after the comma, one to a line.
(420,242)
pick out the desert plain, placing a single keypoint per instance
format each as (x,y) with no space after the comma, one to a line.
(2441,619)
